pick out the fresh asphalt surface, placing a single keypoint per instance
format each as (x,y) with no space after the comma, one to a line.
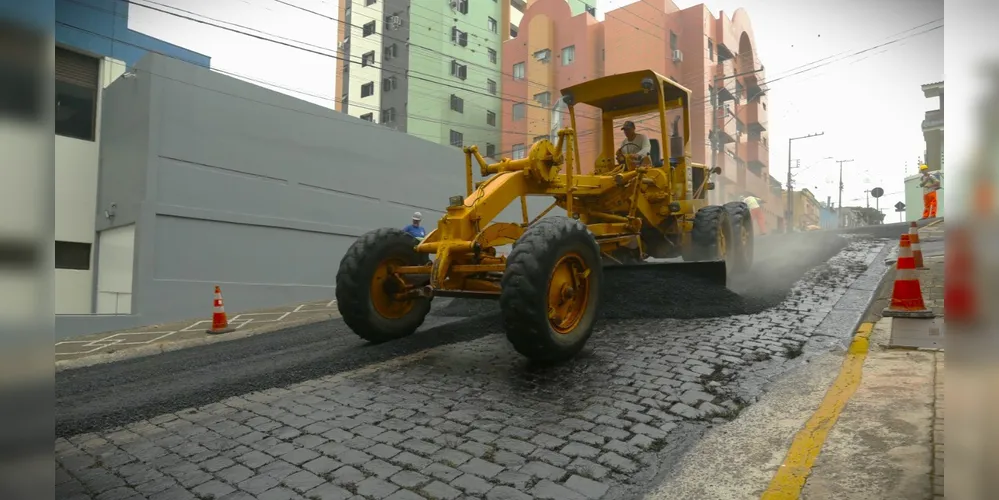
(104,396)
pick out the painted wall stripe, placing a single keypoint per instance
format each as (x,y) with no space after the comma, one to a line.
(790,478)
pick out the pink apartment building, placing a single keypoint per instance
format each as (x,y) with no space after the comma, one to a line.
(708,55)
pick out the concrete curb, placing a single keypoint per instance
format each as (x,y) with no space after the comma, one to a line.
(821,342)
(162,347)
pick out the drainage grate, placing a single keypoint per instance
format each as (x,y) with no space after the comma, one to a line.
(921,333)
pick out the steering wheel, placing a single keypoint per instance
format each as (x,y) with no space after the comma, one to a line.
(619,155)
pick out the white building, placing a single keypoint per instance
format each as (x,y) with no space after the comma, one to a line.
(80,81)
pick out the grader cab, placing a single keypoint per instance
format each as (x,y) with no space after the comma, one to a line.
(621,215)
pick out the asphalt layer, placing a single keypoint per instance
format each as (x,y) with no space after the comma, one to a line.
(104,396)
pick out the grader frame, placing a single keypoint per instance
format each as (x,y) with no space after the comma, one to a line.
(614,203)
(621,213)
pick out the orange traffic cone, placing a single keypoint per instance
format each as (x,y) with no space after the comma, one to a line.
(960,306)
(906,297)
(220,324)
(917,250)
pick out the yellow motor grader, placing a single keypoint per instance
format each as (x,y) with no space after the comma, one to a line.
(549,285)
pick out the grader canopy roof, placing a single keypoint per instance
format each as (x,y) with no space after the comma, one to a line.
(625,91)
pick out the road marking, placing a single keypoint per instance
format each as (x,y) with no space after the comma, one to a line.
(236,321)
(790,478)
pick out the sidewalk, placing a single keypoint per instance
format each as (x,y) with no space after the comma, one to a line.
(107,347)
(861,424)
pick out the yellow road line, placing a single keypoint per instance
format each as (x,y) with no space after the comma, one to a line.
(790,478)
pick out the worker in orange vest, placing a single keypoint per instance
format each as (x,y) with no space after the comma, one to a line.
(756,212)
(930,182)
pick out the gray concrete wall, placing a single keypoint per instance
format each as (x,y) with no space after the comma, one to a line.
(233,184)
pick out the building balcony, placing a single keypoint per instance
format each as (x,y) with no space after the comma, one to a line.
(724,36)
(723,82)
(730,168)
(756,184)
(756,115)
(725,69)
(726,125)
(933,120)
(757,154)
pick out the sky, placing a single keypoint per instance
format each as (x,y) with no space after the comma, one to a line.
(869,107)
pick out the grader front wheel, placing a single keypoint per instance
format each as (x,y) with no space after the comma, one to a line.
(551,290)
(366,290)
(712,236)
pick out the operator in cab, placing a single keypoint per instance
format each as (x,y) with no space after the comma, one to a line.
(635,147)
(415,229)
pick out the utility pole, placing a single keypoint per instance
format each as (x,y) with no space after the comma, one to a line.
(789,217)
(839,219)
(867,193)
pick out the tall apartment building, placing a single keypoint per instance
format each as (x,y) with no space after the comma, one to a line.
(558,45)
(430,68)
(94,46)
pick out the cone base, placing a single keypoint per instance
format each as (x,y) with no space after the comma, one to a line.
(223,330)
(893,313)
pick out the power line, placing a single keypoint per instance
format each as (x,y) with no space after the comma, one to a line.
(407,74)
(271,84)
(348,60)
(518,101)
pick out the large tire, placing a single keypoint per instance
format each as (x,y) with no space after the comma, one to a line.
(742,232)
(710,223)
(360,294)
(544,255)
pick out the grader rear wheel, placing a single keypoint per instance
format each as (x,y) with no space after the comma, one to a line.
(551,290)
(742,230)
(365,287)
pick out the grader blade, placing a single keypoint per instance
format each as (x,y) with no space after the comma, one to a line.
(711,272)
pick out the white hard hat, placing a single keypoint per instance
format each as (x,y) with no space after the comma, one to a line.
(417,216)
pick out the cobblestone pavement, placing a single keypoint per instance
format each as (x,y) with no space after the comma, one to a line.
(473,420)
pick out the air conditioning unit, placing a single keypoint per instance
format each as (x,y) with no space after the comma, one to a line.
(677,56)
(343,44)
(394,22)
(453,4)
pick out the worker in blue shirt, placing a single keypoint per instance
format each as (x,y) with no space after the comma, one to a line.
(415,229)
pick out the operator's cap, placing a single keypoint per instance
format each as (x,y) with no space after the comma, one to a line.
(924,167)
(417,216)
(628,125)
